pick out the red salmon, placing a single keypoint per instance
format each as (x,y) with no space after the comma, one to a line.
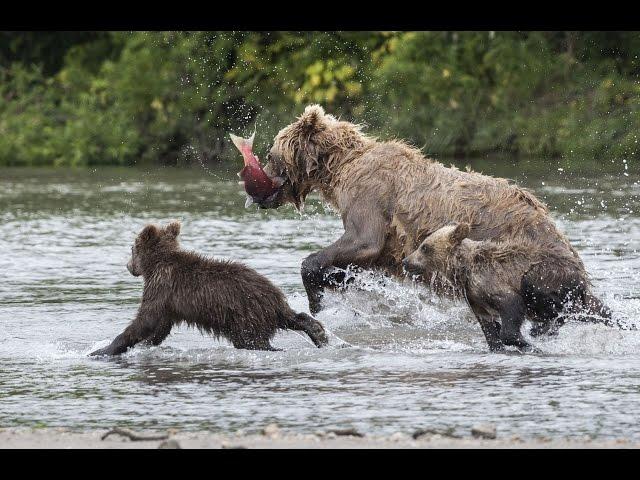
(257,184)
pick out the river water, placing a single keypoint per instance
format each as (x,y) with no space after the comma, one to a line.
(416,361)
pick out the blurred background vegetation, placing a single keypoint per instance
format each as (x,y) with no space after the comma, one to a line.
(168,98)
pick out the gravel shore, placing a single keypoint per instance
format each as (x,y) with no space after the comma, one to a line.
(273,437)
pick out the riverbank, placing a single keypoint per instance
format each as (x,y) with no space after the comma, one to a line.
(276,439)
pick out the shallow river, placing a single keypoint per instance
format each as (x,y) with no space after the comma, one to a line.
(415,360)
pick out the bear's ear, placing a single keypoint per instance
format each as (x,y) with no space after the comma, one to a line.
(312,120)
(148,233)
(173,229)
(460,233)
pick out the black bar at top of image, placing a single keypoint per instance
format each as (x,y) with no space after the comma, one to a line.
(322,16)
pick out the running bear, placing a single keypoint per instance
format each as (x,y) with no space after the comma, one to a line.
(224,298)
(506,281)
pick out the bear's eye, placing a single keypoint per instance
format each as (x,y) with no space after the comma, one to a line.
(426,249)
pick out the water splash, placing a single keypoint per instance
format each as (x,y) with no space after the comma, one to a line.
(415,358)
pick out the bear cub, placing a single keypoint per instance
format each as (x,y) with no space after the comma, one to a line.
(224,298)
(506,281)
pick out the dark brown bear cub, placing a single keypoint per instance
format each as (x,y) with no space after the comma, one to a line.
(507,281)
(224,298)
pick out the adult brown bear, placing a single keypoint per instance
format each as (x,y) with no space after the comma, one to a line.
(391,197)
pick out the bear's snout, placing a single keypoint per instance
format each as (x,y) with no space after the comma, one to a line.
(131,269)
(409,266)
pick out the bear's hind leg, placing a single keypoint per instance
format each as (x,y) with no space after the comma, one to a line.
(543,328)
(310,326)
(119,345)
(593,306)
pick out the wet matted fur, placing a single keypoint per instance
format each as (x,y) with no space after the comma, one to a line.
(224,298)
(391,197)
(505,281)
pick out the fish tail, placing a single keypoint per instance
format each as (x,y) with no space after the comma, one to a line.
(242,143)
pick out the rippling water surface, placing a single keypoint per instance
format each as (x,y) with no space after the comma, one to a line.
(416,360)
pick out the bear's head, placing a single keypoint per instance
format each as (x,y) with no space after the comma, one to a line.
(435,252)
(307,153)
(151,244)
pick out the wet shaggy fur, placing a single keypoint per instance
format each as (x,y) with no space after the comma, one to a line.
(505,281)
(224,298)
(391,197)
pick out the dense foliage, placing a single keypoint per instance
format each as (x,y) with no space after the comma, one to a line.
(170,98)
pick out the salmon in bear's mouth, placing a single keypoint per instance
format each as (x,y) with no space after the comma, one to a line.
(259,186)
